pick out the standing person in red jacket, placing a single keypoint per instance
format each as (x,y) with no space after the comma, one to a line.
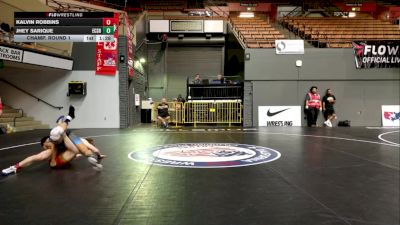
(313,106)
(1,107)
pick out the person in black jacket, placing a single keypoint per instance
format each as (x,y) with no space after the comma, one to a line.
(327,107)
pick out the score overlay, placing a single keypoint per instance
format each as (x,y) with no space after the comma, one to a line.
(65,27)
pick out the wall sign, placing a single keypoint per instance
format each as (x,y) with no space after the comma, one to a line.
(11,54)
(391,115)
(376,54)
(279,116)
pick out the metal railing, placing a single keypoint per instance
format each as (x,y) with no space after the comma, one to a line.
(33,96)
(211,3)
(213,113)
(203,112)
(238,36)
(215,91)
(209,88)
(21,114)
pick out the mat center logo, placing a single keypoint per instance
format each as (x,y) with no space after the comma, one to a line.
(206,155)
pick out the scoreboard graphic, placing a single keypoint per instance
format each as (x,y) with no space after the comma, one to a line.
(65,26)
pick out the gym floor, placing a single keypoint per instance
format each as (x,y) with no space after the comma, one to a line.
(323,176)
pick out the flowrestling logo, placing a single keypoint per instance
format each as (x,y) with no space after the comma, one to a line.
(377,54)
(206,155)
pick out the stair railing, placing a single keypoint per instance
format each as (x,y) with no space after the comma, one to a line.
(211,3)
(33,96)
(21,114)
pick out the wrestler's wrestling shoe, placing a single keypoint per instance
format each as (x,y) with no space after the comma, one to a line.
(8,171)
(95,161)
(60,119)
(71,111)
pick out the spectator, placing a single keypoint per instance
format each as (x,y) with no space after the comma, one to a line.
(312,106)
(327,107)
(180,98)
(3,129)
(163,114)
(197,79)
(5,32)
(1,107)
(163,37)
(11,35)
(220,80)
(176,106)
(3,36)
(5,27)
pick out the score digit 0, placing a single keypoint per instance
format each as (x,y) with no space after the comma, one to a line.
(108,21)
(108,30)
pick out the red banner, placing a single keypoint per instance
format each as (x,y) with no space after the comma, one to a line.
(106,52)
(130,46)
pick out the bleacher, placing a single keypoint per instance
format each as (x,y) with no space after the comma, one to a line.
(336,32)
(256,32)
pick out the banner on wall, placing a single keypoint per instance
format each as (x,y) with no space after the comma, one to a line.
(377,54)
(107,52)
(129,37)
(279,116)
(391,115)
(289,47)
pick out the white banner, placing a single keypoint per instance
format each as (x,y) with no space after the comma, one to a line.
(10,54)
(279,116)
(213,26)
(159,26)
(289,46)
(46,60)
(391,115)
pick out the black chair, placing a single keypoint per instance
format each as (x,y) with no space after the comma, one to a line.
(205,81)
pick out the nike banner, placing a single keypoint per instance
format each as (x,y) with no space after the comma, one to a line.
(279,116)
(376,54)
